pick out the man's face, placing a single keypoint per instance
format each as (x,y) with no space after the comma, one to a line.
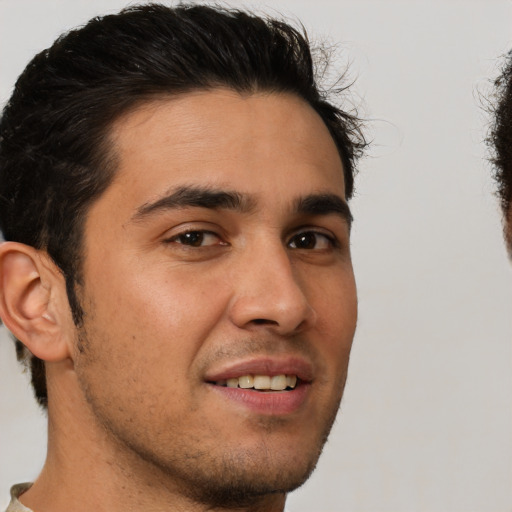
(220,252)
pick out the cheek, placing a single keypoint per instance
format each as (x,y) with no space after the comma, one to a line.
(163,314)
(336,307)
(180,302)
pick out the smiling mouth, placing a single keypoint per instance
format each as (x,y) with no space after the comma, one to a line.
(260,382)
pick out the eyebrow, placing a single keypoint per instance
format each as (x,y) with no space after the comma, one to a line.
(324,204)
(214,199)
(199,197)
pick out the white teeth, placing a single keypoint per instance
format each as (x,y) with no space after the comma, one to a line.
(246,382)
(278,382)
(262,382)
(291,381)
(231,383)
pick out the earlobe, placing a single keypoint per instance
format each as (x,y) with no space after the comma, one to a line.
(31,287)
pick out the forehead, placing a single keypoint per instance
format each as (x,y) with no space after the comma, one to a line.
(252,143)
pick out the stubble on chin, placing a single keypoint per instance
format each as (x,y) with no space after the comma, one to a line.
(245,478)
(230,477)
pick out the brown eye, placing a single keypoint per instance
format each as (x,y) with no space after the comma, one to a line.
(310,240)
(197,239)
(194,238)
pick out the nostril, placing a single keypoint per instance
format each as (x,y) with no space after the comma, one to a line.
(263,321)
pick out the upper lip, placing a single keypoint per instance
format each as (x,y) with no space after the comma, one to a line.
(263,365)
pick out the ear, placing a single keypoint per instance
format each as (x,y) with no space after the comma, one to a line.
(33,301)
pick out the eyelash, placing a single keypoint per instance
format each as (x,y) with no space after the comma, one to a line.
(201,232)
(308,236)
(331,240)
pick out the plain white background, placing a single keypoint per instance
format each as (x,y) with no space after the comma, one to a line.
(426,422)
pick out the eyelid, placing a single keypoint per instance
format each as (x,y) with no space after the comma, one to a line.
(191,226)
(329,233)
(205,232)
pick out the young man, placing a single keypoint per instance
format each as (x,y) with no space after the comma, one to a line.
(501,143)
(177,268)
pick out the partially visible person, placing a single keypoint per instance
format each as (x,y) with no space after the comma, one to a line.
(501,145)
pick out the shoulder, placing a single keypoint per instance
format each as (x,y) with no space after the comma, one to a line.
(16,491)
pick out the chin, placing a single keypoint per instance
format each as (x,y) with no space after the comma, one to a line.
(245,479)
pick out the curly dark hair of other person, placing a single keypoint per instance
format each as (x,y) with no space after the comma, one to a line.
(55,155)
(500,143)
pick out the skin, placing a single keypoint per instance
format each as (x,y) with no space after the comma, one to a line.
(133,412)
(508,231)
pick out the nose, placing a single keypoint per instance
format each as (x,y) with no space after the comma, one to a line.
(269,295)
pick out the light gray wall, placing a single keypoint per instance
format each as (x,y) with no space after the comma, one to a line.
(426,422)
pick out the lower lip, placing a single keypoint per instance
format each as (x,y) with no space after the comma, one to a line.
(272,403)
